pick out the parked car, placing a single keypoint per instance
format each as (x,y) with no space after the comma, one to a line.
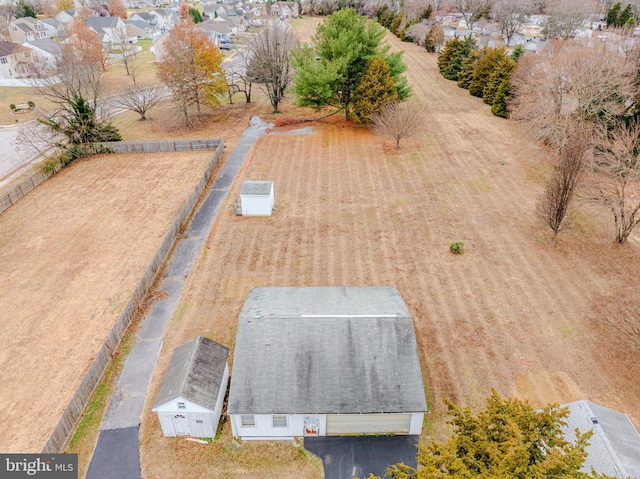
(226,46)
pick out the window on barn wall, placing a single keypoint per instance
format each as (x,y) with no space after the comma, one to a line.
(199,421)
(181,405)
(279,420)
(248,420)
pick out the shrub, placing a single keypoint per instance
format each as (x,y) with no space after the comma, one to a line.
(12,106)
(50,166)
(31,104)
(456,247)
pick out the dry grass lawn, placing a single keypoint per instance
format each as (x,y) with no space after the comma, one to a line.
(512,313)
(71,253)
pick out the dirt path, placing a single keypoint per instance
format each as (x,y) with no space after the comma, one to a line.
(511,313)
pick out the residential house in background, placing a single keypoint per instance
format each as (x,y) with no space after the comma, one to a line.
(28,29)
(166,18)
(139,29)
(111,30)
(322,361)
(14,60)
(65,16)
(216,29)
(284,9)
(51,25)
(46,52)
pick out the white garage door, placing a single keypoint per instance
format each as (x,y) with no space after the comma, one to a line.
(342,424)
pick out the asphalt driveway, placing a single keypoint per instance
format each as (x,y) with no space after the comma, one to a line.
(348,457)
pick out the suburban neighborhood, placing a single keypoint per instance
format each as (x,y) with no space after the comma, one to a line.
(318,238)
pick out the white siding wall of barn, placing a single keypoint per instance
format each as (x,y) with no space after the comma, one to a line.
(342,424)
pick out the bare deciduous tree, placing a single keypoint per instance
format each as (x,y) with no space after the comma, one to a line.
(510,15)
(614,180)
(125,50)
(237,79)
(398,120)
(138,98)
(554,203)
(565,16)
(473,10)
(621,311)
(269,61)
(566,85)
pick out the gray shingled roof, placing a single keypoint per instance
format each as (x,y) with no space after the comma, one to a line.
(259,188)
(7,48)
(48,45)
(325,350)
(195,372)
(615,445)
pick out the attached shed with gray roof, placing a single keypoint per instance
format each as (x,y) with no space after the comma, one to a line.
(325,361)
(189,401)
(614,448)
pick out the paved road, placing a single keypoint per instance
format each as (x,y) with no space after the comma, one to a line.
(348,457)
(9,157)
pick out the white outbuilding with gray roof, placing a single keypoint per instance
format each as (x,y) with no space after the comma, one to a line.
(316,361)
(256,198)
(189,401)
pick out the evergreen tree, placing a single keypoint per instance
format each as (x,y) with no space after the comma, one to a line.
(517,52)
(485,66)
(502,71)
(25,10)
(395,24)
(376,89)
(455,63)
(612,15)
(625,16)
(509,439)
(469,65)
(444,57)
(195,14)
(500,106)
(345,43)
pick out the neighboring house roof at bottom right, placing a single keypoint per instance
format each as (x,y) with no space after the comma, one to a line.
(614,448)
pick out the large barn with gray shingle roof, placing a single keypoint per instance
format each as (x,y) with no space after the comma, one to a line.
(322,361)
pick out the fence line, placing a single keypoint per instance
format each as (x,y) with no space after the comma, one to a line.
(80,399)
(155,146)
(22,188)
(39,176)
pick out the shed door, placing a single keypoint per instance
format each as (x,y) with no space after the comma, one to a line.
(344,424)
(181,424)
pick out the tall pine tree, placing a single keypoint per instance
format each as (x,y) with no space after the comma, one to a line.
(376,89)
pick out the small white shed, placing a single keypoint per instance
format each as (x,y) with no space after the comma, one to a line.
(189,402)
(256,198)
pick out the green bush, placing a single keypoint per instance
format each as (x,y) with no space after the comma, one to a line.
(456,247)
(50,166)
(12,106)
(31,104)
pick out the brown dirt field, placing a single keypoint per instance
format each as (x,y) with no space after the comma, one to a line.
(512,313)
(71,253)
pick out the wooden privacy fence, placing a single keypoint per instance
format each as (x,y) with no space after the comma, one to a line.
(22,188)
(81,397)
(155,146)
(39,176)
